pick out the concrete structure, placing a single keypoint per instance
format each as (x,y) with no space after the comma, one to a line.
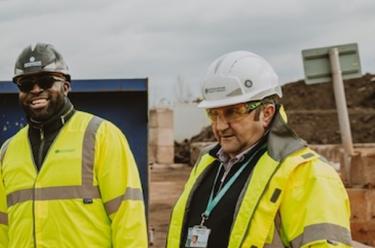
(161,137)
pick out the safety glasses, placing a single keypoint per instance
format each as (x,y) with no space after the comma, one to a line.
(232,113)
(45,82)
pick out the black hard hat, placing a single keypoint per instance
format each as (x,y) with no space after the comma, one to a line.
(40,58)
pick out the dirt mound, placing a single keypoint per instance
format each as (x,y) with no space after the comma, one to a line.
(312,110)
(312,113)
(360,93)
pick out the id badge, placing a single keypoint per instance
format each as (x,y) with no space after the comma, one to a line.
(197,237)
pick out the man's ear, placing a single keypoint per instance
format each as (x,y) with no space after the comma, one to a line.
(66,88)
(268,113)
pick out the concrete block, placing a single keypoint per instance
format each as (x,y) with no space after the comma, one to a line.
(362,170)
(161,118)
(357,244)
(371,202)
(161,136)
(364,232)
(357,175)
(359,204)
(165,154)
(152,133)
(345,165)
(151,154)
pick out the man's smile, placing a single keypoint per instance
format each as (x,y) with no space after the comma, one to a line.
(38,103)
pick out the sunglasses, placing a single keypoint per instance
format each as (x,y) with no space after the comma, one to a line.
(232,113)
(45,82)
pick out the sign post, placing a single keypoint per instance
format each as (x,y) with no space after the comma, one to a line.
(342,110)
(333,64)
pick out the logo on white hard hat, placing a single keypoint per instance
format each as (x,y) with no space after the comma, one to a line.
(214,90)
(248,83)
(32,62)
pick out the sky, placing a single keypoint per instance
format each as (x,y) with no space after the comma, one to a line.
(172,42)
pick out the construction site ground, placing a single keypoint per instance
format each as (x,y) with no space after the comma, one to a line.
(167,182)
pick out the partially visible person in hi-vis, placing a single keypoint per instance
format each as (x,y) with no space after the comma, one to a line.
(68,178)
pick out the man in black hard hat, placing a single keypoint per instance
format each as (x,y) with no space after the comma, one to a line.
(44,67)
(68,179)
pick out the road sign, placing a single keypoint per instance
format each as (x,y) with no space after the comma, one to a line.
(317,65)
(333,64)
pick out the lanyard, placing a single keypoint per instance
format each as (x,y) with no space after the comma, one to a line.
(213,201)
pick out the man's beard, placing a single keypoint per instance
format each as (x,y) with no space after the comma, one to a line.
(54,106)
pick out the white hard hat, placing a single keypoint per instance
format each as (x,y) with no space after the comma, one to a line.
(238,77)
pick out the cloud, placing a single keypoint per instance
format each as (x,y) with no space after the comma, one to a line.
(166,39)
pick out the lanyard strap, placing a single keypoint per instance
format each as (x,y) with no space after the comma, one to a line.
(213,201)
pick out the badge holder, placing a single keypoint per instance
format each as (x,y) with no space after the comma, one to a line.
(198,235)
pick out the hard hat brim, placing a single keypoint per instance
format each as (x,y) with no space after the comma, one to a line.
(67,76)
(239,99)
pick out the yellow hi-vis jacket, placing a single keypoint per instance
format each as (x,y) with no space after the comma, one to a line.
(293,198)
(87,193)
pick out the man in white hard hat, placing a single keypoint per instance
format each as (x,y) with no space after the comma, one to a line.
(260,186)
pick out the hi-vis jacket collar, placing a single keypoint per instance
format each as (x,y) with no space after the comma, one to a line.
(282,139)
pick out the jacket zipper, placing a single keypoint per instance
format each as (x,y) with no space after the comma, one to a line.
(40,158)
(41,147)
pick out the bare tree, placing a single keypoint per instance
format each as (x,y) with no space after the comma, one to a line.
(183,92)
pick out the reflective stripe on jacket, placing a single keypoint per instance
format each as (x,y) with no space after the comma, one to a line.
(87,193)
(293,198)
